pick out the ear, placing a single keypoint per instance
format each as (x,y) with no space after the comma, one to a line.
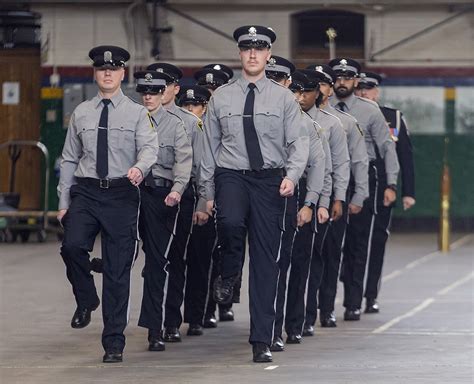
(269,54)
(176,89)
(356,82)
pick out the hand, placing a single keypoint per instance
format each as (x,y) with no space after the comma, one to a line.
(60,215)
(210,207)
(336,210)
(408,202)
(323,215)
(304,216)
(354,209)
(135,176)
(389,197)
(200,218)
(286,188)
(172,199)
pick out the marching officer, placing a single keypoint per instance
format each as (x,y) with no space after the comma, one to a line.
(309,189)
(383,172)
(212,76)
(369,88)
(255,151)
(177,253)
(110,146)
(322,288)
(161,194)
(307,249)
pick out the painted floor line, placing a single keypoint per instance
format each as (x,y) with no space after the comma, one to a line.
(271,367)
(456,284)
(410,313)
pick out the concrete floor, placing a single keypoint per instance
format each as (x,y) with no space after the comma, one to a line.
(423,334)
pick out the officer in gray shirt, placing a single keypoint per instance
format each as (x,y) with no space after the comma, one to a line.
(322,289)
(110,146)
(255,151)
(177,253)
(299,213)
(383,172)
(161,195)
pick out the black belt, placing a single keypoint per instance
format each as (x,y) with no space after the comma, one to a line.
(160,182)
(263,174)
(103,183)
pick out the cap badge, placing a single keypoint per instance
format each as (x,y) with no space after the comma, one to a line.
(107,56)
(319,69)
(363,75)
(252,32)
(343,63)
(272,62)
(190,93)
(159,70)
(148,77)
(209,78)
(217,67)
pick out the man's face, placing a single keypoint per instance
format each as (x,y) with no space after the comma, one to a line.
(369,93)
(170,93)
(197,109)
(109,79)
(344,86)
(152,102)
(326,91)
(254,60)
(306,99)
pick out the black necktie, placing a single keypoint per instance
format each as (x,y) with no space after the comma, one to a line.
(341,105)
(251,138)
(102,165)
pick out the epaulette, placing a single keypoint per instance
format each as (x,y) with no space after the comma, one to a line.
(173,114)
(277,83)
(368,101)
(188,112)
(330,114)
(226,84)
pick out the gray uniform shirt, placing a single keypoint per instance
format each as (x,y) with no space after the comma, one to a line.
(175,155)
(316,167)
(131,140)
(376,133)
(278,122)
(357,153)
(335,134)
(193,127)
(326,192)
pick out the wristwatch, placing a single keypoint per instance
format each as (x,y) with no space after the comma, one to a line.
(309,204)
(393,187)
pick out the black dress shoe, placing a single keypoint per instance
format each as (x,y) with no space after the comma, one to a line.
(226,314)
(112,357)
(97,265)
(224,290)
(82,317)
(155,341)
(277,345)
(194,330)
(210,321)
(172,335)
(293,338)
(261,353)
(308,330)
(328,320)
(352,315)
(371,306)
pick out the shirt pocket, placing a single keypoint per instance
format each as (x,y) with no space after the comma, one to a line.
(267,120)
(231,122)
(121,138)
(86,130)
(166,153)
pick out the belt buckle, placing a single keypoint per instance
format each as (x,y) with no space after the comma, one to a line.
(104,183)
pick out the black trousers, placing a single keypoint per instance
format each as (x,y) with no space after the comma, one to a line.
(178,258)
(200,264)
(285,259)
(356,245)
(245,203)
(324,269)
(301,256)
(113,212)
(157,226)
(380,235)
